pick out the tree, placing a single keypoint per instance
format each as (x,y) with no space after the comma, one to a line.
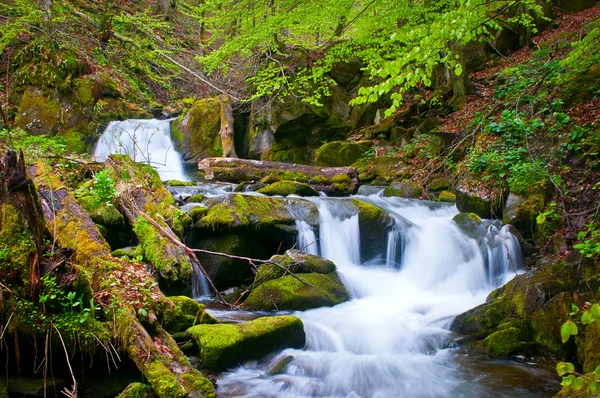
(400,43)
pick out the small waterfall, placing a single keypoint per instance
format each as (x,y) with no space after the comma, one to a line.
(392,338)
(200,286)
(147,141)
(307,240)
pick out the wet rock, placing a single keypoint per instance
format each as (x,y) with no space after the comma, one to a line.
(227,345)
(279,366)
(471,202)
(341,153)
(285,188)
(470,224)
(184,313)
(446,196)
(521,212)
(375,225)
(403,190)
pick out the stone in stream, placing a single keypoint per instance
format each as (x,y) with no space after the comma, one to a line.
(285,188)
(227,345)
(315,284)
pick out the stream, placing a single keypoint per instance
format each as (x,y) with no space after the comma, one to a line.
(392,339)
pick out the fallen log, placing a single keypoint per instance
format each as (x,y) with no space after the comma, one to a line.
(334,181)
(157,356)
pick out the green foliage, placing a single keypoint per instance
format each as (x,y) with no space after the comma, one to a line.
(19,16)
(589,241)
(103,190)
(33,146)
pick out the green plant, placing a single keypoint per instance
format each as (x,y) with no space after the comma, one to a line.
(589,241)
(103,190)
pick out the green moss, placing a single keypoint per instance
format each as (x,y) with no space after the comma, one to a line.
(177,183)
(289,293)
(506,342)
(404,190)
(16,247)
(197,213)
(38,112)
(270,179)
(296,262)
(447,196)
(163,382)
(197,198)
(224,346)
(341,153)
(203,123)
(27,387)
(470,224)
(342,183)
(136,390)
(285,188)
(439,184)
(185,313)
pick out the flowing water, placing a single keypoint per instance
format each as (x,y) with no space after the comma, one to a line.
(392,338)
(147,141)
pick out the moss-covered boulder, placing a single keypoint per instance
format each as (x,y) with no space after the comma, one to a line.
(470,224)
(305,291)
(225,346)
(239,211)
(294,261)
(341,153)
(374,225)
(446,196)
(183,313)
(470,201)
(285,188)
(439,184)
(404,190)
(521,212)
(196,134)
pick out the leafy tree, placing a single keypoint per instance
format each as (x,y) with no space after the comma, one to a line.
(400,43)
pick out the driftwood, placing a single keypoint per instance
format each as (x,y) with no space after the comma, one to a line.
(158,358)
(331,180)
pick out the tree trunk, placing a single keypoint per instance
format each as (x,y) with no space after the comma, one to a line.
(226,133)
(164,8)
(459,82)
(44,6)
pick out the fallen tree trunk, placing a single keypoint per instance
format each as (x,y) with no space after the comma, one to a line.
(331,180)
(157,356)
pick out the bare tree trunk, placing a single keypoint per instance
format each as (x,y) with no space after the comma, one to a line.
(459,82)
(164,7)
(44,6)
(226,133)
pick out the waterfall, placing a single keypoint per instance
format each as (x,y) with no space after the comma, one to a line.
(392,338)
(306,240)
(147,141)
(200,286)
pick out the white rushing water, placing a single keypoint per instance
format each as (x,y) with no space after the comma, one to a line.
(147,141)
(392,338)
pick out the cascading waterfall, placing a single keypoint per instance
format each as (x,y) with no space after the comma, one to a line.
(147,141)
(392,338)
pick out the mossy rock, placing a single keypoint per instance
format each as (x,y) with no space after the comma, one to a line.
(470,224)
(374,225)
(285,188)
(110,109)
(506,342)
(270,179)
(291,293)
(185,313)
(196,198)
(27,387)
(403,190)
(196,134)
(294,261)
(341,153)
(582,87)
(522,212)
(136,390)
(128,252)
(225,346)
(252,211)
(38,113)
(447,196)
(178,183)
(469,202)
(197,213)
(439,184)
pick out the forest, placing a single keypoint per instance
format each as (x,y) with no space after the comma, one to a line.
(281,198)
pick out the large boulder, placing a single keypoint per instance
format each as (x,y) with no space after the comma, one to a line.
(196,134)
(183,312)
(341,153)
(227,345)
(314,284)
(521,212)
(403,190)
(374,224)
(470,224)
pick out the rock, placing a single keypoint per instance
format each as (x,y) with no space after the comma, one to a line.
(196,134)
(27,387)
(341,153)
(470,224)
(506,342)
(484,207)
(521,212)
(177,183)
(197,213)
(196,198)
(270,179)
(185,313)
(334,181)
(403,190)
(129,252)
(374,225)
(225,346)
(575,5)
(447,196)
(285,188)
(295,261)
(289,293)
(582,87)
(253,211)
(439,184)
(280,365)
(136,390)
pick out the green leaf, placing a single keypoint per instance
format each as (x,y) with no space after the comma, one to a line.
(567,381)
(565,332)
(586,318)
(572,328)
(458,70)
(562,368)
(577,383)
(597,373)
(541,218)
